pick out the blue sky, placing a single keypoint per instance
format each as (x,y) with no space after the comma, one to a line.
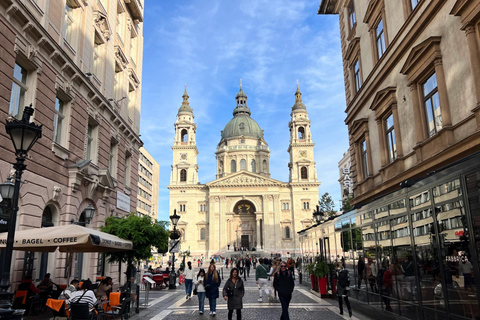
(211,45)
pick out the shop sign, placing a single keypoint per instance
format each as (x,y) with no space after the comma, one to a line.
(459,233)
(347,182)
(123,201)
(456,259)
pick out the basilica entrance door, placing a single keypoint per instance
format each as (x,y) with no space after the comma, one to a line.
(245,242)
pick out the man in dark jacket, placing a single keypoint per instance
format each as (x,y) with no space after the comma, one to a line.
(248,264)
(284,284)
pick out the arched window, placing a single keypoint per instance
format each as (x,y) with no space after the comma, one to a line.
(253,166)
(301,133)
(183,175)
(243,164)
(202,234)
(184,135)
(233,166)
(287,232)
(265,166)
(304,173)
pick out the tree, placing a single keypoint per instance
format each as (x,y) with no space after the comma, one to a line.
(346,204)
(144,232)
(327,205)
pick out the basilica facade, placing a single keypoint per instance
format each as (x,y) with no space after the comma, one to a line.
(244,206)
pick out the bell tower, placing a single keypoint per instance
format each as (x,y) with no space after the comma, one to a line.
(302,164)
(184,167)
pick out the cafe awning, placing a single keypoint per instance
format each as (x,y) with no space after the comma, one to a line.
(67,238)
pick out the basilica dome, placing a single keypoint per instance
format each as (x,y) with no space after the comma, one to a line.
(242,125)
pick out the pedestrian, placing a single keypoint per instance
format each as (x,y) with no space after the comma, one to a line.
(361,270)
(199,282)
(291,267)
(273,269)
(226,262)
(211,287)
(261,276)
(283,283)
(254,263)
(234,291)
(199,263)
(248,264)
(343,288)
(188,280)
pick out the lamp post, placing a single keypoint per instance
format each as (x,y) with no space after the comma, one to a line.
(23,134)
(174,236)
(89,212)
(318,215)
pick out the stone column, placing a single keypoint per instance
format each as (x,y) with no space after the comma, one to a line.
(442,93)
(474,51)
(419,130)
(258,240)
(383,143)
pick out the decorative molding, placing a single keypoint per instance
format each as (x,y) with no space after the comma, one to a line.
(57,193)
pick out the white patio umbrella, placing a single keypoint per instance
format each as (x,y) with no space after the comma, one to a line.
(67,238)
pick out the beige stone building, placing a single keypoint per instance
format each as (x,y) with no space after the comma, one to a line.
(148,184)
(79,63)
(244,206)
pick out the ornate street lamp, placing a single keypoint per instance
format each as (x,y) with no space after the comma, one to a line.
(23,134)
(318,215)
(6,190)
(174,236)
(89,213)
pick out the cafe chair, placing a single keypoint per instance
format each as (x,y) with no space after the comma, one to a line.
(118,311)
(58,307)
(80,311)
(20,300)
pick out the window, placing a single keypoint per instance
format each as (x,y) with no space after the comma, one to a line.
(243,164)
(356,75)
(285,206)
(184,135)
(133,50)
(68,24)
(253,166)
(202,234)
(58,121)
(287,232)
(120,23)
(203,207)
(306,205)
(117,87)
(128,161)
(380,39)
(19,88)
(352,19)
(414,3)
(90,151)
(304,173)
(265,166)
(182,208)
(233,166)
(431,103)
(132,96)
(301,133)
(183,175)
(364,157)
(112,164)
(390,135)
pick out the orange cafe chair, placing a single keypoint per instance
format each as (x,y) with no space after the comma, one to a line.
(18,297)
(57,306)
(114,299)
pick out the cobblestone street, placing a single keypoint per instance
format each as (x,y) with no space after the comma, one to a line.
(172,305)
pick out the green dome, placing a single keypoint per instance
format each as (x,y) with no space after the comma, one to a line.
(185,108)
(242,125)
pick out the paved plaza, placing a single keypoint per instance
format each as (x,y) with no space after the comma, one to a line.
(172,305)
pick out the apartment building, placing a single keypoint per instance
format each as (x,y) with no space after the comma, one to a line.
(148,184)
(412,84)
(79,63)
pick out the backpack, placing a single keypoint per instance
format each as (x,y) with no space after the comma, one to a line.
(343,279)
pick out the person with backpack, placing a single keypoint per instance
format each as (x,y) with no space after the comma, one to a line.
(343,288)
(284,284)
(261,276)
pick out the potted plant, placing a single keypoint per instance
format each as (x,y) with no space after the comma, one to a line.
(321,271)
(310,268)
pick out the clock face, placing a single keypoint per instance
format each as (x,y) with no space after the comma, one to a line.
(303,153)
(183,156)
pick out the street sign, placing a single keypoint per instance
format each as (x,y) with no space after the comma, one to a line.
(174,246)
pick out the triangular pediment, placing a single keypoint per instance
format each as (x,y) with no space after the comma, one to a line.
(352,48)
(384,94)
(244,178)
(358,124)
(419,52)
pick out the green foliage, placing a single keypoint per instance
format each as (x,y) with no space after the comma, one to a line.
(327,205)
(346,204)
(321,269)
(144,232)
(310,268)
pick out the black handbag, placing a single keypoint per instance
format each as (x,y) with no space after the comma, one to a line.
(207,287)
(195,290)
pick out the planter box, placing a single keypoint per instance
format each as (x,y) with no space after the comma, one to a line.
(314,282)
(322,285)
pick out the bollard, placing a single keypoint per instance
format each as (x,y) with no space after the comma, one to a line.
(137,308)
(300,276)
(222,273)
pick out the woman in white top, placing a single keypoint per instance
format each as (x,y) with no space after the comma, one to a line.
(188,279)
(84,295)
(200,290)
